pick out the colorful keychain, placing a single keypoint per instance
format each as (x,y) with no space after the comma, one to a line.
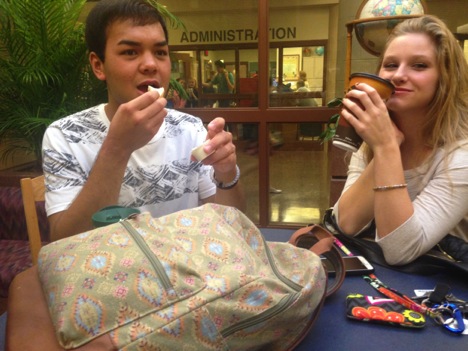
(447,313)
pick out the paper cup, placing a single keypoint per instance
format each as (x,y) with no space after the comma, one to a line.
(345,136)
(384,87)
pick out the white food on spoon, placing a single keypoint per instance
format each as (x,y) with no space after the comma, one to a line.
(199,153)
(159,90)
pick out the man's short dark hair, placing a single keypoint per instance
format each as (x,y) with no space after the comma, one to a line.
(220,63)
(106,12)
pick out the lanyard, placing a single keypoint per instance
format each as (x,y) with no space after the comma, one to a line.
(437,311)
(402,299)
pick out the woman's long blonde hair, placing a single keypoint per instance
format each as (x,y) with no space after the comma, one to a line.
(447,120)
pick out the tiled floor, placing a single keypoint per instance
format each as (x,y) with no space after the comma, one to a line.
(301,174)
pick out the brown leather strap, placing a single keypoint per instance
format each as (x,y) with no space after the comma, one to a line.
(320,241)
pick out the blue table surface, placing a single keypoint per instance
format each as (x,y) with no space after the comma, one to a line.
(334,331)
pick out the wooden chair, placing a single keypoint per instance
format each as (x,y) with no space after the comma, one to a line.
(33,190)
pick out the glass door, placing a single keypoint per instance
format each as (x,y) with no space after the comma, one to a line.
(277,58)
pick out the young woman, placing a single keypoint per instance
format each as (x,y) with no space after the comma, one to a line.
(411,175)
(192,92)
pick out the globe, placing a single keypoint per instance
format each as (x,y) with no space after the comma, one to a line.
(375,20)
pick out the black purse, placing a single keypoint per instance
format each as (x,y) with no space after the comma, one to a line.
(449,256)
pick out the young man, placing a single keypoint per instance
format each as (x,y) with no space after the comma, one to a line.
(224,80)
(132,151)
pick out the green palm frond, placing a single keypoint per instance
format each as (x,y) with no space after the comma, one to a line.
(43,68)
(174,84)
(173,20)
(330,131)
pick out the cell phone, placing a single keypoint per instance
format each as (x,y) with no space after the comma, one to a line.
(354,265)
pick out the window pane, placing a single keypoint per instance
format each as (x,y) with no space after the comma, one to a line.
(298,41)
(246,140)
(248,78)
(296,76)
(299,185)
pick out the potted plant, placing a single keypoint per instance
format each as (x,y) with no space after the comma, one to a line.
(44,69)
(330,131)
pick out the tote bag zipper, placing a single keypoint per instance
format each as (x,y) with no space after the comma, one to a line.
(155,262)
(281,306)
(275,269)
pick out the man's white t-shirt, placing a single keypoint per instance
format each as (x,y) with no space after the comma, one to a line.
(160,177)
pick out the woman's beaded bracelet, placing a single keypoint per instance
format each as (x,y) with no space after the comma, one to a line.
(390,187)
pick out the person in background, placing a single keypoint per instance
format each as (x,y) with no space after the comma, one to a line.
(176,95)
(410,177)
(132,151)
(301,87)
(304,101)
(207,88)
(182,82)
(303,77)
(192,92)
(224,82)
(273,84)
